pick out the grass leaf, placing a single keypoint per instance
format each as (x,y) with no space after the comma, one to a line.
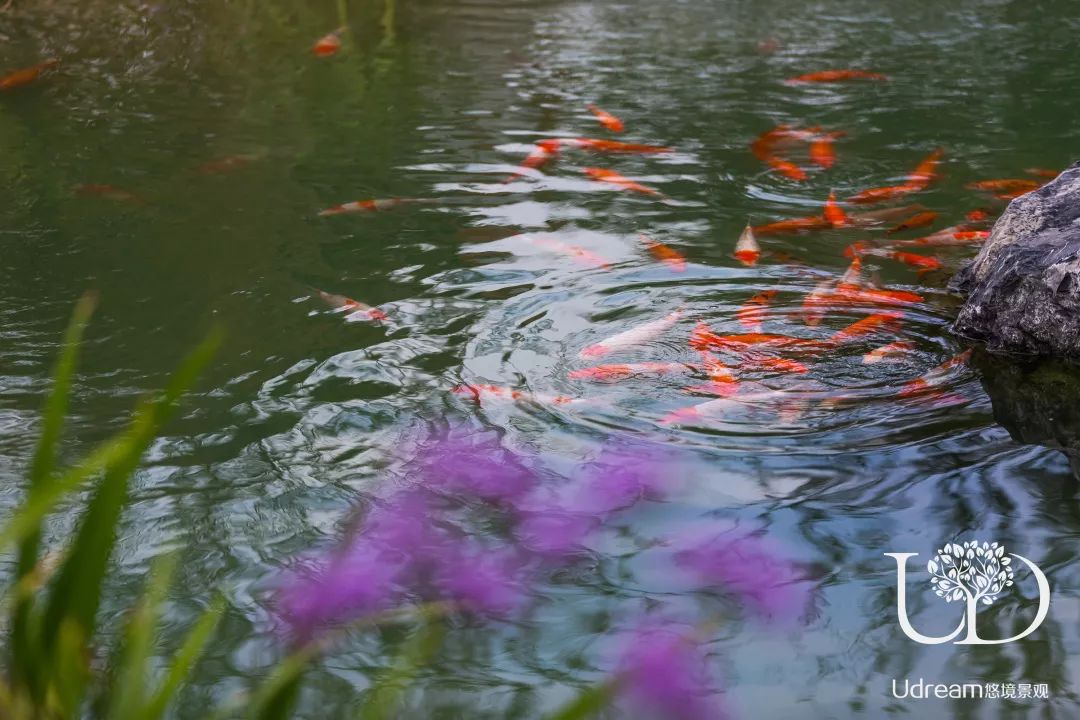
(186,657)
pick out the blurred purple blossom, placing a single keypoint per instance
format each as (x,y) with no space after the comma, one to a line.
(475,464)
(663,672)
(553,532)
(752,567)
(482,580)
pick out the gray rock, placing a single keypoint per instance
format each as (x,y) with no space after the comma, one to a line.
(1023,289)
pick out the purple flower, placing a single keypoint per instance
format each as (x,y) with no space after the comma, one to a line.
(475,464)
(554,532)
(368,573)
(752,567)
(615,482)
(663,671)
(483,580)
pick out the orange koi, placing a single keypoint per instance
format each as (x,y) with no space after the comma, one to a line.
(665,254)
(893,352)
(578,253)
(775,364)
(606,119)
(881,194)
(539,156)
(1011,195)
(926,171)
(747,250)
(718,408)
(878,217)
(632,337)
(604,373)
(752,314)
(823,150)
(880,322)
(610,176)
(977,215)
(1043,172)
(935,377)
(702,338)
(835,214)
(816,301)
(854,295)
(487,393)
(25,76)
(718,372)
(328,44)
(763,145)
(837,76)
(946,239)
(366,206)
(109,192)
(915,221)
(354,310)
(795,225)
(853,275)
(788,169)
(614,146)
(923,262)
(1004,186)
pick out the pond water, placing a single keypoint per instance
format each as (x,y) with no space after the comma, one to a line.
(305,417)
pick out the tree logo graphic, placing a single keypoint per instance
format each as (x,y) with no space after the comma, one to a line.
(973,574)
(971,570)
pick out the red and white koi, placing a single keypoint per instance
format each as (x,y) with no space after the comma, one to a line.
(633,337)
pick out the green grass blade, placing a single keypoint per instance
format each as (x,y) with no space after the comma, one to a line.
(385,698)
(76,594)
(127,691)
(56,406)
(276,697)
(587,704)
(190,651)
(25,658)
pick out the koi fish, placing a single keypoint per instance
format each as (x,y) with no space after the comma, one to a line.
(354,310)
(854,295)
(539,156)
(610,176)
(25,76)
(634,336)
(835,214)
(665,254)
(747,250)
(1042,172)
(606,119)
(880,322)
(107,191)
(1004,186)
(752,314)
(578,253)
(977,215)
(722,381)
(795,225)
(763,145)
(915,221)
(788,169)
(926,171)
(946,239)
(718,408)
(366,206)
(328,44)
(816,301)
(853,274)
(615,146)
(702,338)
(487,393)
(935,377)
(881,194)
(775,364)
(603,373)
(823,150)
(878,217)
(837,76)
(893,352)
(923,262)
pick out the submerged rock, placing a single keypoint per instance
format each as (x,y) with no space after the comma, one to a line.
(1023,289)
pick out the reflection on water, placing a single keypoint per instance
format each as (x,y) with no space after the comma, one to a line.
(220,137)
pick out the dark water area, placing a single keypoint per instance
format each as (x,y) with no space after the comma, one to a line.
(306,419)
